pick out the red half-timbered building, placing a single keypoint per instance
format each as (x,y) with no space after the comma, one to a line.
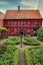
(28,20)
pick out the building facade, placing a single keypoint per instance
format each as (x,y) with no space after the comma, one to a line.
(28,20)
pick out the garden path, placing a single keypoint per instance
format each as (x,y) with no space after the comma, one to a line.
(2,41)
(22,59)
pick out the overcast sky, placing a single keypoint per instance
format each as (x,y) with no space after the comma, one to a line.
(12,4)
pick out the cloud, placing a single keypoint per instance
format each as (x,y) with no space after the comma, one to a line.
(2,10)
(3,2)
(12,4)
(31,3)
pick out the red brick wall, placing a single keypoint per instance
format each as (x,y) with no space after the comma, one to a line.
(1,23)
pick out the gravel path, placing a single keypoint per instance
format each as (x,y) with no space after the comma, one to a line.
(2,41)
(22,59)
(42,43)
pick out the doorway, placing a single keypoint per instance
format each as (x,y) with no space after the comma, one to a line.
(35,34)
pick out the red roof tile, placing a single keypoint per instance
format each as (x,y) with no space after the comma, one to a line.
(22,14)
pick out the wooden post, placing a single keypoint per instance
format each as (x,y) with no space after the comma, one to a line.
(21,35)
(21,40)
(0,34)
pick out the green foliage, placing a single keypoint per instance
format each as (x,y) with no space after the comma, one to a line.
(16,57)
(10,56)
(3,29)
(31,41)
(34,55)
(2,49)
(28,57)
(40,34)
(12,40)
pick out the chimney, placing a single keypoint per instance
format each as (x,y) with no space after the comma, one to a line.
(18,7)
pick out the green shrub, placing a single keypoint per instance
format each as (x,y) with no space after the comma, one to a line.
(12,40)
(34,55)
(40,34)
(16,57)
(2,48)
(10,56)
(31,41)
(28,57)
(2,28)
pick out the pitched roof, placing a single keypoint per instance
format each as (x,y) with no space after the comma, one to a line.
(23,14)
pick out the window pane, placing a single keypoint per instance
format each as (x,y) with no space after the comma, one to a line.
(25,21)
(12,22)
(32,21)
(39,21)
(12,29)
(18,22)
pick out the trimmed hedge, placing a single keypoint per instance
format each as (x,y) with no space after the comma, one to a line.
(12,40)
(40,34)
(31,41)
(10,56)
(34,55)
(16,57)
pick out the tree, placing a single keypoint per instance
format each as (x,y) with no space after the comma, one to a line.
(40,34)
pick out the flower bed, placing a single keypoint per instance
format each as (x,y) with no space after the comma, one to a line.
(9,55)
(31,41)
(34,55)
(12,40)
